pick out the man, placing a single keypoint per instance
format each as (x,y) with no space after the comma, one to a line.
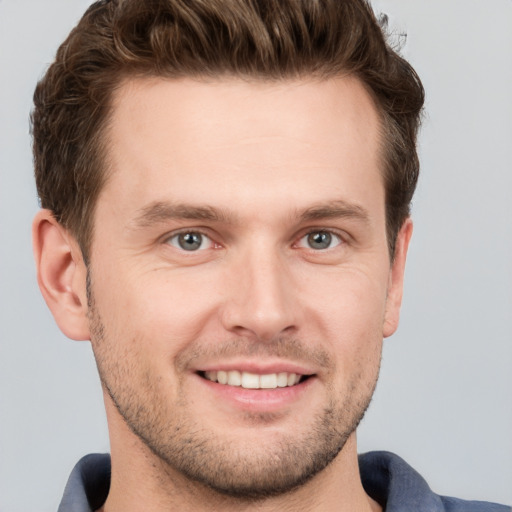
(226,191)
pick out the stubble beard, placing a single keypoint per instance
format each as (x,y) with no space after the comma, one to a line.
(239,470)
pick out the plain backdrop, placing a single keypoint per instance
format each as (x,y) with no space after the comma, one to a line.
(444,397)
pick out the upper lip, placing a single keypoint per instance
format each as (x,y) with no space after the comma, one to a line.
(257,367)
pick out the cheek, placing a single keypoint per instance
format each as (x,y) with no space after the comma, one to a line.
(349,316)
(349,302)
(163,312)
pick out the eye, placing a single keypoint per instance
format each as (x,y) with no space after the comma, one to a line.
(190,241)
(320,240)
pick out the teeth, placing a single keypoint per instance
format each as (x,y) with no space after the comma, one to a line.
(282,380)
(250,380)
(268,381)
(211,376)
(253,380)
(234,378)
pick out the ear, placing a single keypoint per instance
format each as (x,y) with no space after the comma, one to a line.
(61,275)
(396,279)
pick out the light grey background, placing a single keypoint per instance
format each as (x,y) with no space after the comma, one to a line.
(444,397)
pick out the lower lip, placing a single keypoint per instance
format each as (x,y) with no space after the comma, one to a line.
(258,400)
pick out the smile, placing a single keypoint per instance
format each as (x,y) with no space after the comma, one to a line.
(249,380)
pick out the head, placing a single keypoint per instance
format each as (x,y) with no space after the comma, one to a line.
(271,40)
(228,186)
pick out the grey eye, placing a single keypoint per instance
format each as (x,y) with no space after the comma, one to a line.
(190,241)
(320,240)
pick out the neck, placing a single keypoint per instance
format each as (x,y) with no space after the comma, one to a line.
(141,481)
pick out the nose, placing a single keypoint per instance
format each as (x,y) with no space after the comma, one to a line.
(261,301)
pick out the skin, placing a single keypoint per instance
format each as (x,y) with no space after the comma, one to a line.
(255,168)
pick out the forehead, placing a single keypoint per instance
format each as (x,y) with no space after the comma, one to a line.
(192,107)
(187,137)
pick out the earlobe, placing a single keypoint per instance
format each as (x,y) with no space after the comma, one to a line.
(61,275)
(396,279)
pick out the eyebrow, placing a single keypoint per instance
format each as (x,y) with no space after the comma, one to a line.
(161,211)
(335,210)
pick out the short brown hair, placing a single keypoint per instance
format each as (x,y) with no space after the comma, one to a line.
(262,39)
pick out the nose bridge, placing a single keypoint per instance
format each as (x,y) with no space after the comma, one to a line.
(261,301)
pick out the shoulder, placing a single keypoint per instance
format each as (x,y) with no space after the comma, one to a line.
(88,484)
(390,481)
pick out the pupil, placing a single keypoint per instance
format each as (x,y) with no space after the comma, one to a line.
(320,240)
(190,241)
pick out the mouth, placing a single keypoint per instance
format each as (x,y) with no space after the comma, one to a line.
(248,380)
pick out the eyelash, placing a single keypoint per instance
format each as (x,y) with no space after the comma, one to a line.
(333,234)
(200,232)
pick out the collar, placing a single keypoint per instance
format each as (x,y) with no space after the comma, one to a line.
(387,478)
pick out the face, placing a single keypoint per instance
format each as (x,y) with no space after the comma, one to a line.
(240,282)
